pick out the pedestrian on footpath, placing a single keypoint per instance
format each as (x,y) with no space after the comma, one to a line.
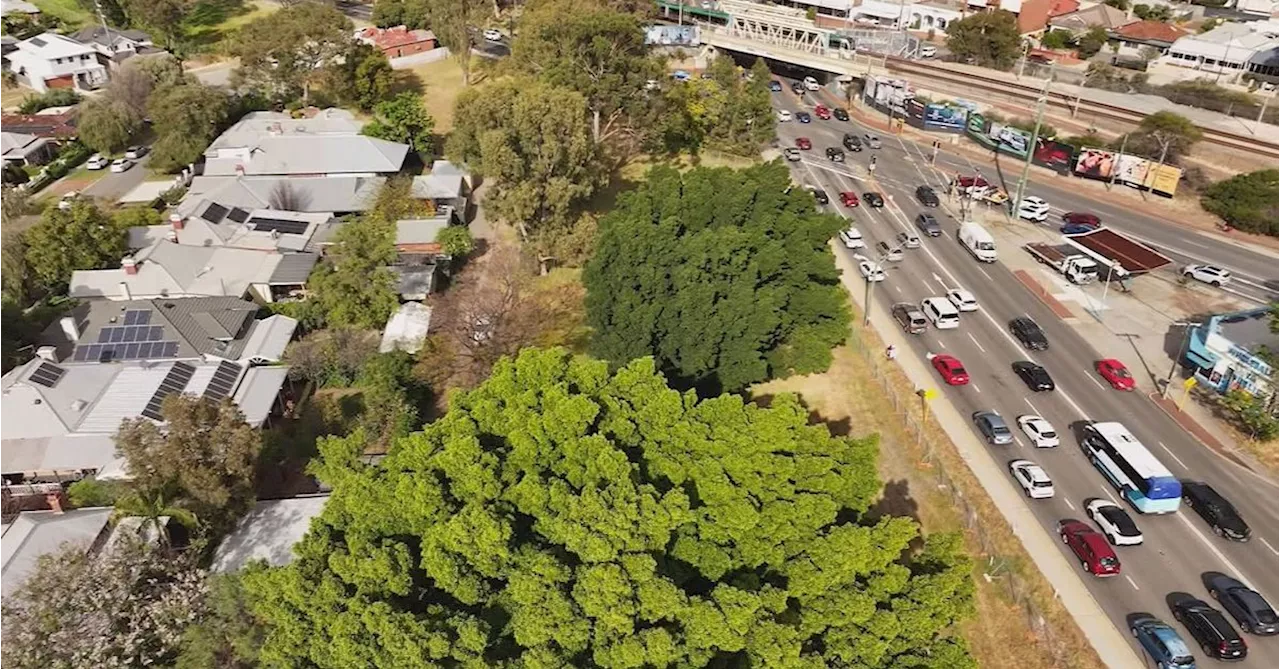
(891,353)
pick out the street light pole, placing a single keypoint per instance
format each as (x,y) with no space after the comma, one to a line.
(1182,350)
(1115,166)
(878,265)
(1035,135)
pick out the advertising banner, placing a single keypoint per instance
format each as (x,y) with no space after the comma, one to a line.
(944,117)
(1011,140)
(1132,170)
(672,35)
(915,113)
(1095,163)
(976,127)
(1054,155)
(1164,180)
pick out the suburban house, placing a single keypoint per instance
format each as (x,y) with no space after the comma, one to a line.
(337,195)
(170,270)
(447,190)
(8,7)
(268,532)
(397,41)
(211,224)
(52,123)
(418,255)
(1257,7)
(116,46)
(34,534)
(328,144)
(1081,21)
(51,60)
(1231,49)
(1226,351)
(1132,37)
(24,149)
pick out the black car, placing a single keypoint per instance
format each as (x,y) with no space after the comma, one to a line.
(852,142)
(1029,333)
(797,88)
(928,225)
(820,195)
(775,86)
(804,117)
(1216,636)
(1250,610)
(792,154)
(840,114)
(1215,510)
(873,200)
(1036,377)
(835,155)
(926,196)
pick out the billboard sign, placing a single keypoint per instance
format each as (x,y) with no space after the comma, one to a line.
(1009,139)
(944,117)
(1095,163)
(672,35)
(1164,180)
(1053,155)
(1132,170)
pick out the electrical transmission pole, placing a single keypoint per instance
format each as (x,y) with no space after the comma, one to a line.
(1035,135)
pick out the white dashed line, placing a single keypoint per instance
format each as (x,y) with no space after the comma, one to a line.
(1096,382)
(975,386)
(984,273)
(1268,545)
(1108,494)
(1212,549)
(1069,504)
(1176,458)
(1130,580)
(1033,407)
(975,342)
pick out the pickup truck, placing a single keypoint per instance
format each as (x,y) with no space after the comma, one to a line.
(1077,267)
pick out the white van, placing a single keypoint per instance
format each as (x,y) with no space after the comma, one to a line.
(941,312)
(978,241)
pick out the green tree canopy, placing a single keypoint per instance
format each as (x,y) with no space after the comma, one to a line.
(403,119)
(532,142)
(186,117)
(1090,43)
(353,287)
(563,515)
(1162,135)
(725,276)
(363,77)
(585,46)
(65,240)
(991,39)
(288,51)
(107,123)
(1246,201)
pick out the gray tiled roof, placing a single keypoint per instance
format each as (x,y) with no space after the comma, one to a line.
(294,268)
(182,318)
(420,230)
(108,36)
(325,154)
(307,194)
(34,534)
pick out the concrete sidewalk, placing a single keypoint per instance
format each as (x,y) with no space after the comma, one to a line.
(1112,647)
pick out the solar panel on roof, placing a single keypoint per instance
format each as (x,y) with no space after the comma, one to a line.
(279,224)
(126,350)
(137,317)
(224,379)
(47,374)
(214,213)
(238,215)
(37,41)
(178,377)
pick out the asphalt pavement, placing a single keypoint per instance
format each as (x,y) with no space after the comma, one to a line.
(1179,547)
(113,185)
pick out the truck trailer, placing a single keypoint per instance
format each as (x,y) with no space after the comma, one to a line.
(1067,261)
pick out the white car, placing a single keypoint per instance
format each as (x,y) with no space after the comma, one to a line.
(963,299)
(871,141)
(1210,274)
(783,116)
(96,162)
(135,152)
(492,35)
(1034,481)
(1114,522)
(121,165)
(811,84)
(852,239)
(928,51)
(68,199)
(1034,209)
(870,271)
(1039,431)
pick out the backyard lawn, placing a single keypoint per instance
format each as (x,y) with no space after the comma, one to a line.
(440,83)
(68,11)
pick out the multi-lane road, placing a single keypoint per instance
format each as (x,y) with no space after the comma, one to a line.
(1179,547)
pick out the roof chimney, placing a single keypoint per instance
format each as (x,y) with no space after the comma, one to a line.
(55,502)
(129,265)
(49,353)
(176,221)
(70,328)
(124,291)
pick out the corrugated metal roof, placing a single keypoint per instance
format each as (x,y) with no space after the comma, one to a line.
(258,391)
(269,338)
(420,230)
(268,532)
(35,534)
(294,268)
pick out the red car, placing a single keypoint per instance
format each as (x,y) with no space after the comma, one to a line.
(849,199)
(1090,547)
(1116,374)
(1081,218)
(951,370)
(822,112)
(803,143)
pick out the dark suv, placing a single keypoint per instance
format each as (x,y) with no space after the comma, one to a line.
(927,197)
(852,142)
(835,155)
(1215,510)
(1029,333)
(1249,608)
(1216,636)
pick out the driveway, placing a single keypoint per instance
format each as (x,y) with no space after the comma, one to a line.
(113,185)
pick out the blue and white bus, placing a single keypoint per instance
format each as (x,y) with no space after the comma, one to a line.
(1131,469)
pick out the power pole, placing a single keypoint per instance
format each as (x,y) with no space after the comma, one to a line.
(1115,166)
(1164,152)
(1186,339)
(1035,135)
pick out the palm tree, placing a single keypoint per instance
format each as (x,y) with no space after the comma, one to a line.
(151,506)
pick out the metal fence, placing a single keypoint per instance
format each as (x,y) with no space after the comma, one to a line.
(936,454)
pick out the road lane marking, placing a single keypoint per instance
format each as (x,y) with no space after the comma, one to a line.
(975,386)
(975,342)
(1096,382)
(1073,506)
(1268,545)
(1130,580)
(940,344)
(1166,450)
(1033,407)
(1213,549)
(1108,494)
(984,273)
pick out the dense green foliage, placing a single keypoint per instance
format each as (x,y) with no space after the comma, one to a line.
(989,39)
(285,53)
(186,118)
(107,124)
(1089,44)
(1246,201)
(65,240)
(225,636)
(729,111)
(561,515)
(1161,135)
(353,286)
(363,77)
(402,119)
(54,97)
(724,276)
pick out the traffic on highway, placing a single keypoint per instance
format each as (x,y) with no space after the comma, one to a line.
(1154,520)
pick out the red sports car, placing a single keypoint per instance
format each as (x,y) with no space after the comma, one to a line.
(1081,218)
(1116,374)
(951,370)
(803,143)
(822,112)
(849,199)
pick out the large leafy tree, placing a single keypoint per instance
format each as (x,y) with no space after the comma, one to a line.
(353,287)
(288,51)
(563,515)
(66,240)
(125,607)
(1246,201)
(403,119)
(532,142)
(452,21)
(107,123)
(990,39)
(226,636)
(587,47)
(163,18)
(186,117)
(724,276)
(362,77)
(1162,136)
